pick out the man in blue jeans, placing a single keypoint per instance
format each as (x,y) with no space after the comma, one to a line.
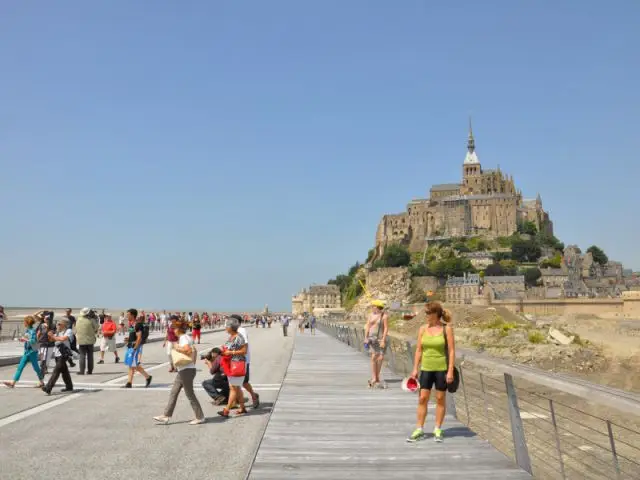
(218,386)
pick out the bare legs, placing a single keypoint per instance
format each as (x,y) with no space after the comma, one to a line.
(441,408)
(376,366)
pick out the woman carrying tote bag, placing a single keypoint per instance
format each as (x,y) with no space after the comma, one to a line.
(234,364)
(183,356)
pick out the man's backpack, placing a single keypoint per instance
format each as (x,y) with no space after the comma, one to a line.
(109,329)
(145,333)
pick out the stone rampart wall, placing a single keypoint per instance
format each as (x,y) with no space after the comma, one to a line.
(595,306)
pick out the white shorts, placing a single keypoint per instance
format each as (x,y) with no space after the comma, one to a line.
(236,381)
(108,344)
(46,354)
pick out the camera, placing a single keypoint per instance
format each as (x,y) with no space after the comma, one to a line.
(207,356)
(92,314)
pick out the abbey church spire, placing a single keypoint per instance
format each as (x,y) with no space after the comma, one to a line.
(471,143)
(471,156)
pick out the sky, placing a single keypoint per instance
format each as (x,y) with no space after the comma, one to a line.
(225,154)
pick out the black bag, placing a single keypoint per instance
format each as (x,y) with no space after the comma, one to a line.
(145,333)
(65,352)
(453,386)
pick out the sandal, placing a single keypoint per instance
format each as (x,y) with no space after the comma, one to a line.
(240,412)
(9,384)
(224,413)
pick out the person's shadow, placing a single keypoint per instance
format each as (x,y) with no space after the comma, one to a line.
(458,432)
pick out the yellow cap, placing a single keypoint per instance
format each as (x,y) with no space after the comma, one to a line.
(378,303)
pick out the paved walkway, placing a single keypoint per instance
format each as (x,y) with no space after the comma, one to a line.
(327,424)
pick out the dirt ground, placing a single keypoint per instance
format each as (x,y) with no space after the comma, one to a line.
(604,350)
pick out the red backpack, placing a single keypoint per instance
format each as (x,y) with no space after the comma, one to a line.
(109,328)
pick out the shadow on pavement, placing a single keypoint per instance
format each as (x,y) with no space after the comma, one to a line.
(458,432)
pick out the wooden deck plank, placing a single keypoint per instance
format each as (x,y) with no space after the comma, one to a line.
(327,424)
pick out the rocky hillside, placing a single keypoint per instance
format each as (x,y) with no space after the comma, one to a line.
(394,286)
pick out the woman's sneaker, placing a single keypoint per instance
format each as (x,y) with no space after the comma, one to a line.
(437,435)
(417,435)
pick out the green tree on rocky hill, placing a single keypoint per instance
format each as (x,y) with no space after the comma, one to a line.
(598,254)
(395,255)
(531,276)
(524,251)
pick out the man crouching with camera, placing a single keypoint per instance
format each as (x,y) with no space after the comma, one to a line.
(218,386)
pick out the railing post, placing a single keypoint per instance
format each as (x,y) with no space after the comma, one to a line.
(451,404)
(392,358)
(410,357)
(555,429)
(613,449)
(484,401)
(464,394)
(517,429)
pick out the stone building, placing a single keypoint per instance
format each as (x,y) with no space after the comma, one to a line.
(579,276)
(462,290)
(503,287)
(485,203)
(316,296)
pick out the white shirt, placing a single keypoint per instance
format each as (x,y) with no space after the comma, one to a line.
(67,333)
(243,331)
(183,341)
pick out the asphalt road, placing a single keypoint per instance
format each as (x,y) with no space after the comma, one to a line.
(102,431)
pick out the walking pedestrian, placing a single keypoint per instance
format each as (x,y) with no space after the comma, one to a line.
(46,346)
(108,341)
(184,380)
(197,328)
(134,349)
(235,349)
(170,339)
(61,353)
(312,325)
(30,340)
(285,325)
(86,331)
(246,385)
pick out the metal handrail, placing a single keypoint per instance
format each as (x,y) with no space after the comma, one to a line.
(542,433)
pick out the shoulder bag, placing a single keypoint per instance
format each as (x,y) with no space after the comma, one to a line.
(453,386)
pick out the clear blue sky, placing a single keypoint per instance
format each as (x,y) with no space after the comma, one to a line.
(224,154)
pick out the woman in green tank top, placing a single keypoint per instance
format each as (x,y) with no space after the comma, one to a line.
(432,368)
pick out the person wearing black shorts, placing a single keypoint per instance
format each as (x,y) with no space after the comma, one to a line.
(434,359)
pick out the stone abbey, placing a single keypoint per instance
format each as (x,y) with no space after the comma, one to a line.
(485,204)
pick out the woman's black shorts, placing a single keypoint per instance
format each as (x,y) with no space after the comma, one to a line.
(430,379)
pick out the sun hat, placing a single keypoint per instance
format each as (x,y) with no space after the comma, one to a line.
(85,311)
(378,303)
(410,384)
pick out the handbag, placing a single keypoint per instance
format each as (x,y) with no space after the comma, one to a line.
(237,368)
(180,359)
(453,386)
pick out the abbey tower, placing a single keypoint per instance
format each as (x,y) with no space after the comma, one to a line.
(486,203)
